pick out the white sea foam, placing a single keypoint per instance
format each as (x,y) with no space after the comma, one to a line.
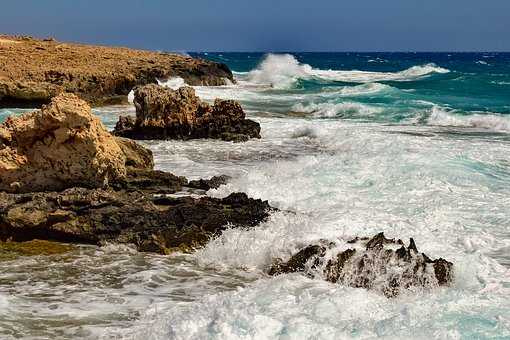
(344,109)
(332,179)
(489,121)
(173,83)
(284,70)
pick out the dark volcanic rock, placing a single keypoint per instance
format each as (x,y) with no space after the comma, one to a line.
(206,184)
(377,263)
(163,113)
(155,224)
(33,71)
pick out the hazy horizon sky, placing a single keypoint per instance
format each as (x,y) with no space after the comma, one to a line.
(277,25)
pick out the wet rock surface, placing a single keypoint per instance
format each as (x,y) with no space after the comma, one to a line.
(378,263)
(33,71)
(152,223)
(163,113)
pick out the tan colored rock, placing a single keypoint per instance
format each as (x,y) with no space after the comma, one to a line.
(60,146)
(137,156)
(33,71)
(163,113)
(158,106)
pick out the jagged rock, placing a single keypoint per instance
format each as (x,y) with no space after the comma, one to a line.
(33,71)
(136,155)
(163,113)
(60,146)
(159,224)
(376,263)
(65,178)
(207,184)
(150,181)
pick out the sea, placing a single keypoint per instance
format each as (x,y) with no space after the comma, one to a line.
(353,144)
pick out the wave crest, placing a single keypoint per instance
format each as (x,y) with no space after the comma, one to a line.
(284,70)
(493,122)
(344,109)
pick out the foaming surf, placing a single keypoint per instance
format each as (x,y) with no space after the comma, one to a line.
(388,158)
(284,70)
(488,121)
(429,189)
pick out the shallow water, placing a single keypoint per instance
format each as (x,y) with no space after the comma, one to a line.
(340,160)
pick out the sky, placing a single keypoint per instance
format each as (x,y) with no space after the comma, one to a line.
(267,25)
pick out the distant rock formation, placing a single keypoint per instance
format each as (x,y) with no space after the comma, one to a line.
(376,263)
(33,71)
(163,113)
(60,146)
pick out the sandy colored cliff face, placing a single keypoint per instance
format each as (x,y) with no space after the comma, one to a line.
(33,71)
(59,146)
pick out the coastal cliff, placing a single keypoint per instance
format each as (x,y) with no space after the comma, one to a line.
(33,71)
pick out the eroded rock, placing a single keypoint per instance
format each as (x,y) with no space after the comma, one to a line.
(60,146)
(163,113)
(379,263)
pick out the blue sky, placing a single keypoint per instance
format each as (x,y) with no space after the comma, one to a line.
(264,25)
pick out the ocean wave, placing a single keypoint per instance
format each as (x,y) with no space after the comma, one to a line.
(284,70)
(344,109)
(363,89)
(489,121)
(173,83)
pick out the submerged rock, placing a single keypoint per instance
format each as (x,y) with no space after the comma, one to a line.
(163,113)
(376,263)
(60,146)
(10,250)
(33,71)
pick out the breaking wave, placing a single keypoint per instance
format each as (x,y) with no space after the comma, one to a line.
(489,121)
(284,70)
(344,109)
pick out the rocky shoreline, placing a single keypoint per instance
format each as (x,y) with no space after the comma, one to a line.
(65,178)
(32,71)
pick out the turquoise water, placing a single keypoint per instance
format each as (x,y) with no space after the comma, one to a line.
(415,145)
(463,83)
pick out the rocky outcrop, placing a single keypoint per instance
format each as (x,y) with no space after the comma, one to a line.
(160,224)
(136,155)
(379,263)
(60,146)
(65,178)
(33,71)
(163,113)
